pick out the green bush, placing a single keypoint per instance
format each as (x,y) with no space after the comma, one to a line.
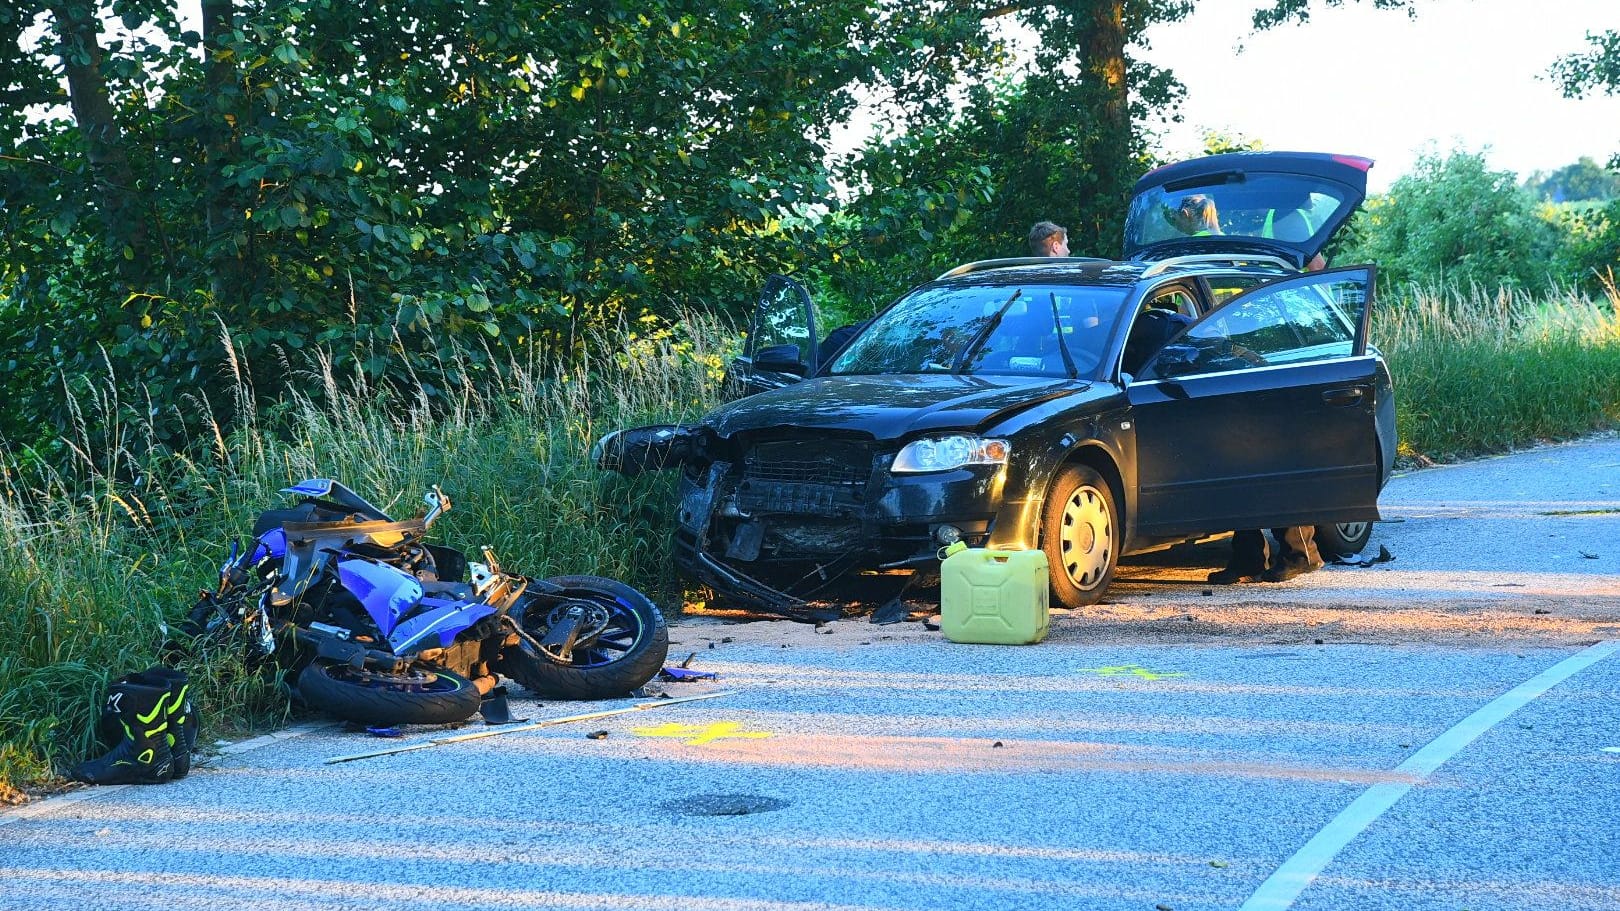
(1453,222)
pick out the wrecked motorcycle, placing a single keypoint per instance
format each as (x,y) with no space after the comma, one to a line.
(380,627)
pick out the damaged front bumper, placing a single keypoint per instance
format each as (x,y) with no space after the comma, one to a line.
(775,523)
(775,543)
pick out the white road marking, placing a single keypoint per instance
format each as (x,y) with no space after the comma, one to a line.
(1281,888)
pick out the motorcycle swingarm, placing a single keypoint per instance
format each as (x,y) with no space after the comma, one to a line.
(339,650)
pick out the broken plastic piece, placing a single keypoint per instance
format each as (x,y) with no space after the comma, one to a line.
(1384,556)
(892,612)
(382,731)
(683,675)
(494,708)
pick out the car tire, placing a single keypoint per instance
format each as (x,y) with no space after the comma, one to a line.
(1080,535)
(1344,539)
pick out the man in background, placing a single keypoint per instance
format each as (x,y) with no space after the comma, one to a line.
(1048,239)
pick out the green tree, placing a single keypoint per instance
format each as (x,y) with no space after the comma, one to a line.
(1583,181)
(1453,220)
(1595,70)
(417,186)
(1063,139)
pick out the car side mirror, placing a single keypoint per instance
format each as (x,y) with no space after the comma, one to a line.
(780,359)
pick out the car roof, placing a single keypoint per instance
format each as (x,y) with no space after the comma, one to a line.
(1101,272)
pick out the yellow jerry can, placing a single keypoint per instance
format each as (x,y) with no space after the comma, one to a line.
(994,597)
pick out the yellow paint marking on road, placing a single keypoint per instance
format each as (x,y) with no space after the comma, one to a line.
(1131,670)
(698,734)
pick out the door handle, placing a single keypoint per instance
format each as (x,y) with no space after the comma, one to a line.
(1349,395)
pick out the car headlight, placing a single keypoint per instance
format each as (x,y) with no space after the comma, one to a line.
(947,452)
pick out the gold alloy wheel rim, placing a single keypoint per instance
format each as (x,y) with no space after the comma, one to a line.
(1085,539)
(1352,530)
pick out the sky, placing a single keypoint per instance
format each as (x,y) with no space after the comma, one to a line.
(1462,74)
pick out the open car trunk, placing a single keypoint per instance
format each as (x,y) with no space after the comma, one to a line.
(1284,204)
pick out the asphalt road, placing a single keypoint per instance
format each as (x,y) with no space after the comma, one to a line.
(1145,761)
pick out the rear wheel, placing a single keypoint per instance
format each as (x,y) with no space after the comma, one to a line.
(418,696)
(1344,539)
(621,642)
(1080,535)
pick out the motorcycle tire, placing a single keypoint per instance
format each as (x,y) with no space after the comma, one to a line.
(369,697)
(627,653)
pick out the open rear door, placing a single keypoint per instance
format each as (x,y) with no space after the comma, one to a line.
(1284,204)
(781,345)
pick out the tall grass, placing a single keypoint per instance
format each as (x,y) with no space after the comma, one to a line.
(1480,372)
(96,559)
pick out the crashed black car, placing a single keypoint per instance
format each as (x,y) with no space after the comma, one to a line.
(1024,403)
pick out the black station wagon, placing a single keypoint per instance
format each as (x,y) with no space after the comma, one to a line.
(1027,403)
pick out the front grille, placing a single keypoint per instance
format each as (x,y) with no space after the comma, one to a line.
(809,462)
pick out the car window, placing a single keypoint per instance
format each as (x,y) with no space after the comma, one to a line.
(1310,318)
(1285,207)
(1223,288)
(1176,298)
(1037,330)
(782,318)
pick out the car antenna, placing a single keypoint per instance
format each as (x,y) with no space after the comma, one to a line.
(1063,343)
(989,327)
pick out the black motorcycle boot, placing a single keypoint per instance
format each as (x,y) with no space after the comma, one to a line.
(182,720)
(142,756)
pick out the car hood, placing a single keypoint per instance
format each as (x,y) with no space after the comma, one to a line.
(890,406)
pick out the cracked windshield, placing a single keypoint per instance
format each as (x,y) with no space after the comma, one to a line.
(1034,330)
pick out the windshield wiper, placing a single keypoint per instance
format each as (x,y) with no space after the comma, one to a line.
(1063,343)
(989,327)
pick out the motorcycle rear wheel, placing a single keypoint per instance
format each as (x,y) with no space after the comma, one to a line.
(417,697)
(625,654)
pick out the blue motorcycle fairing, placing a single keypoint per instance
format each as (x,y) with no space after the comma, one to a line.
(385,592)
(328,489)
(272,543)
(443,617)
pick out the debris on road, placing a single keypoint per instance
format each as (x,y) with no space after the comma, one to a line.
(1384,556)
(893,611)
(493,708)
(597,735)
(479,735)
(684,675)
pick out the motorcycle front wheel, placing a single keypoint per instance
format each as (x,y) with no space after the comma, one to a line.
(623,645)
(419,696)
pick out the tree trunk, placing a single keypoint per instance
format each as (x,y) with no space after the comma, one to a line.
(78,36)
(1103,66)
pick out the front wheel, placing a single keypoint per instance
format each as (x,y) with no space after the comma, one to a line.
(1080,535)
(1344,539)
(418,696)
(621,643)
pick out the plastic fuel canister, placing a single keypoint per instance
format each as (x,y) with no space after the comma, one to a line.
(993,597)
